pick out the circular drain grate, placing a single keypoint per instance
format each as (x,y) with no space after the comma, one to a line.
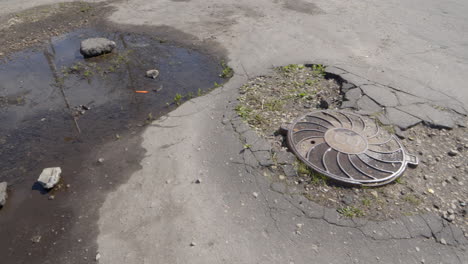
(348,148)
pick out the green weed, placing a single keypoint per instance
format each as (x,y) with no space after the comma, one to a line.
(292,67)
(178,98)
(350,211)
(318,70)
(274,105)
(366,202)
(227,72)
(243,111)
(315,177)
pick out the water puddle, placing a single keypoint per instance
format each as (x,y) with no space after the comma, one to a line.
(57,109)
(53,100)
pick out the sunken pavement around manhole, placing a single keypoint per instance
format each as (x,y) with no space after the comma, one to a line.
(427,201)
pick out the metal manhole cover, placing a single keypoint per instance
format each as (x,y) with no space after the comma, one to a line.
(348,148)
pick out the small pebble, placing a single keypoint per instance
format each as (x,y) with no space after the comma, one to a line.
(443,242)
(255,194)
(453,153)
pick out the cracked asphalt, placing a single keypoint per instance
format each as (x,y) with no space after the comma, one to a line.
(408,61)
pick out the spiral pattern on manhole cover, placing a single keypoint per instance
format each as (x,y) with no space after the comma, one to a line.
(348,148)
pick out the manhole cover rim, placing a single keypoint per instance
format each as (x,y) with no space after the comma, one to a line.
(403,162)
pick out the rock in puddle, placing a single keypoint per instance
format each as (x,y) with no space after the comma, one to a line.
(96,46)
(153,74)
(3,193)
(50,177)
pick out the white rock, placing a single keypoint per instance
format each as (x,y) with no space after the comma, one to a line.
(98,256)
(3,193)
(50,177)
(153,74)
(255,194)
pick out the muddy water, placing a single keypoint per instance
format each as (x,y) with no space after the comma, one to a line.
(58,109)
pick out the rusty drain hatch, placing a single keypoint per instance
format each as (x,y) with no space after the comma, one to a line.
(348,148)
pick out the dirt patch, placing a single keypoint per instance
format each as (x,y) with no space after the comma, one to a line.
(438,184)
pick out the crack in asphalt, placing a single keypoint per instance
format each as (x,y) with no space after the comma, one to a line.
(322,215)
(405,92)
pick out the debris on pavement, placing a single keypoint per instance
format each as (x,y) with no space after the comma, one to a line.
(50,177)
(153,74)
(96,46)
(36,239)
(143,92)
(255,194)
(3,193)
(100,160)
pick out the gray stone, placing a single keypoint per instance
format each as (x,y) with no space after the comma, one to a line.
(3,193)
(96,46)
(153,74)
(430,115)
(401,119)
(453,153)
(367,105)
(50,177)
(353,95)
(382,95)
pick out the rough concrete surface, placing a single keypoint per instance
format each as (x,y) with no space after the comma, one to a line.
(414,49)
